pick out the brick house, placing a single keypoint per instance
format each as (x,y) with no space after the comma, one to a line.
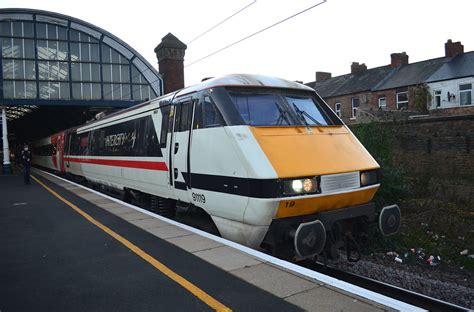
(401,89)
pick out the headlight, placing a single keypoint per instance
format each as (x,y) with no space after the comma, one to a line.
(300,186)
(369,177)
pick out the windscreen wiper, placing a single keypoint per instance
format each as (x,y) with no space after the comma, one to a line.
(302,115)
(282,115)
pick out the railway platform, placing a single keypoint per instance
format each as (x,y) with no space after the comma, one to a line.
(64,247)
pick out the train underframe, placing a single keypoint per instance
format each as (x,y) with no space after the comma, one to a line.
(329,233)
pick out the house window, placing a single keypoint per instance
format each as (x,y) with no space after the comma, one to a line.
(355,107)
(382,101)
(402,100)
(465,94)
(437,98)
(337,108)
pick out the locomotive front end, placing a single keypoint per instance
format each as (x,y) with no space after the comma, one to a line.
(318,197)
(327,182)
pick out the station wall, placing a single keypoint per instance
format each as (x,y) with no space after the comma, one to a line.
(438,151)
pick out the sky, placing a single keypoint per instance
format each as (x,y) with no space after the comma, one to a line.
(327,38)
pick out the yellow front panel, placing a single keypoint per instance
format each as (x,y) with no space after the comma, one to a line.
(298,207)
(302,151)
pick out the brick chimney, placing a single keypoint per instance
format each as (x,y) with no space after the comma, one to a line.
(451,49)
(321,76)
(398,59)
(170,53)
(357,68)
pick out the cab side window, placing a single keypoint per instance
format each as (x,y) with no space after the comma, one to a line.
(186,110)
(165,122)
(211,115)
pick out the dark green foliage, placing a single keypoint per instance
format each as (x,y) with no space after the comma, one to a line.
(377,140)
(421,97)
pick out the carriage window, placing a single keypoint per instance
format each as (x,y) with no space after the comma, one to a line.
(151,139)
(136,137)
(212,116)
(83,139)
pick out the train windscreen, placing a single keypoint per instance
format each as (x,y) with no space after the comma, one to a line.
(278,109)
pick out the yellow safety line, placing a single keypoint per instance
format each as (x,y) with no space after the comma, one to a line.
(196,291)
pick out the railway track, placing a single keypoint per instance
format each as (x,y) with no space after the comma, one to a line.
(416,299)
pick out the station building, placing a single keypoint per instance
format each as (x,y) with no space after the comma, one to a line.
(59,71)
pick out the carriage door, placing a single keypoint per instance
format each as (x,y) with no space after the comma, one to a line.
(180,148)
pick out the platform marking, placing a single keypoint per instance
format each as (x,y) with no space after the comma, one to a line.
(20,204)
(196,291)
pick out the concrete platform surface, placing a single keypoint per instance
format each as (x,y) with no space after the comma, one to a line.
(54,259)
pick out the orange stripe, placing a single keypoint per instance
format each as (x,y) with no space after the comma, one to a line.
(305,206)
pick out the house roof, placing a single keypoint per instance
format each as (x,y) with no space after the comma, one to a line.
(329,87)
(387,77)
(412,74)
(348,84)
(459,67)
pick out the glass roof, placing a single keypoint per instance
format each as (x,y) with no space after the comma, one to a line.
(48,57)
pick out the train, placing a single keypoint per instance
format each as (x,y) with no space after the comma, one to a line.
(263,160)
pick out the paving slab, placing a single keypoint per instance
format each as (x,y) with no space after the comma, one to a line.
(91,196)
(227,258)
(80,191)
(194,242)
(149,223)
(100,201)
(112,204)
(358,298)
(69,187)
(329,300)
(169,231)
(274,280)
(133,216)
(116,209)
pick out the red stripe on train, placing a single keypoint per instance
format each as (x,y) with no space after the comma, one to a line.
(139,164)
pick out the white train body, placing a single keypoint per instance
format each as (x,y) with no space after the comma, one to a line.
(195,148)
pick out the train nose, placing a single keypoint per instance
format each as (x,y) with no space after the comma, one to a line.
(310,239)
(389,220)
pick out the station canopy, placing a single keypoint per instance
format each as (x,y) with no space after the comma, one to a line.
(58,71)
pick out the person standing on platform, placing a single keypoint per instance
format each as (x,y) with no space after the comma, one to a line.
(26,160)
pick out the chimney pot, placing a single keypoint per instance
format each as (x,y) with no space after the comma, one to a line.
(398,59)
(451,49)
(321,76)
(357,68)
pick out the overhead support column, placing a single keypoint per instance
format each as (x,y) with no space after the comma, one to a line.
(7,168)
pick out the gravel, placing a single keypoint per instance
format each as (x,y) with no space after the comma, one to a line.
(439,281)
